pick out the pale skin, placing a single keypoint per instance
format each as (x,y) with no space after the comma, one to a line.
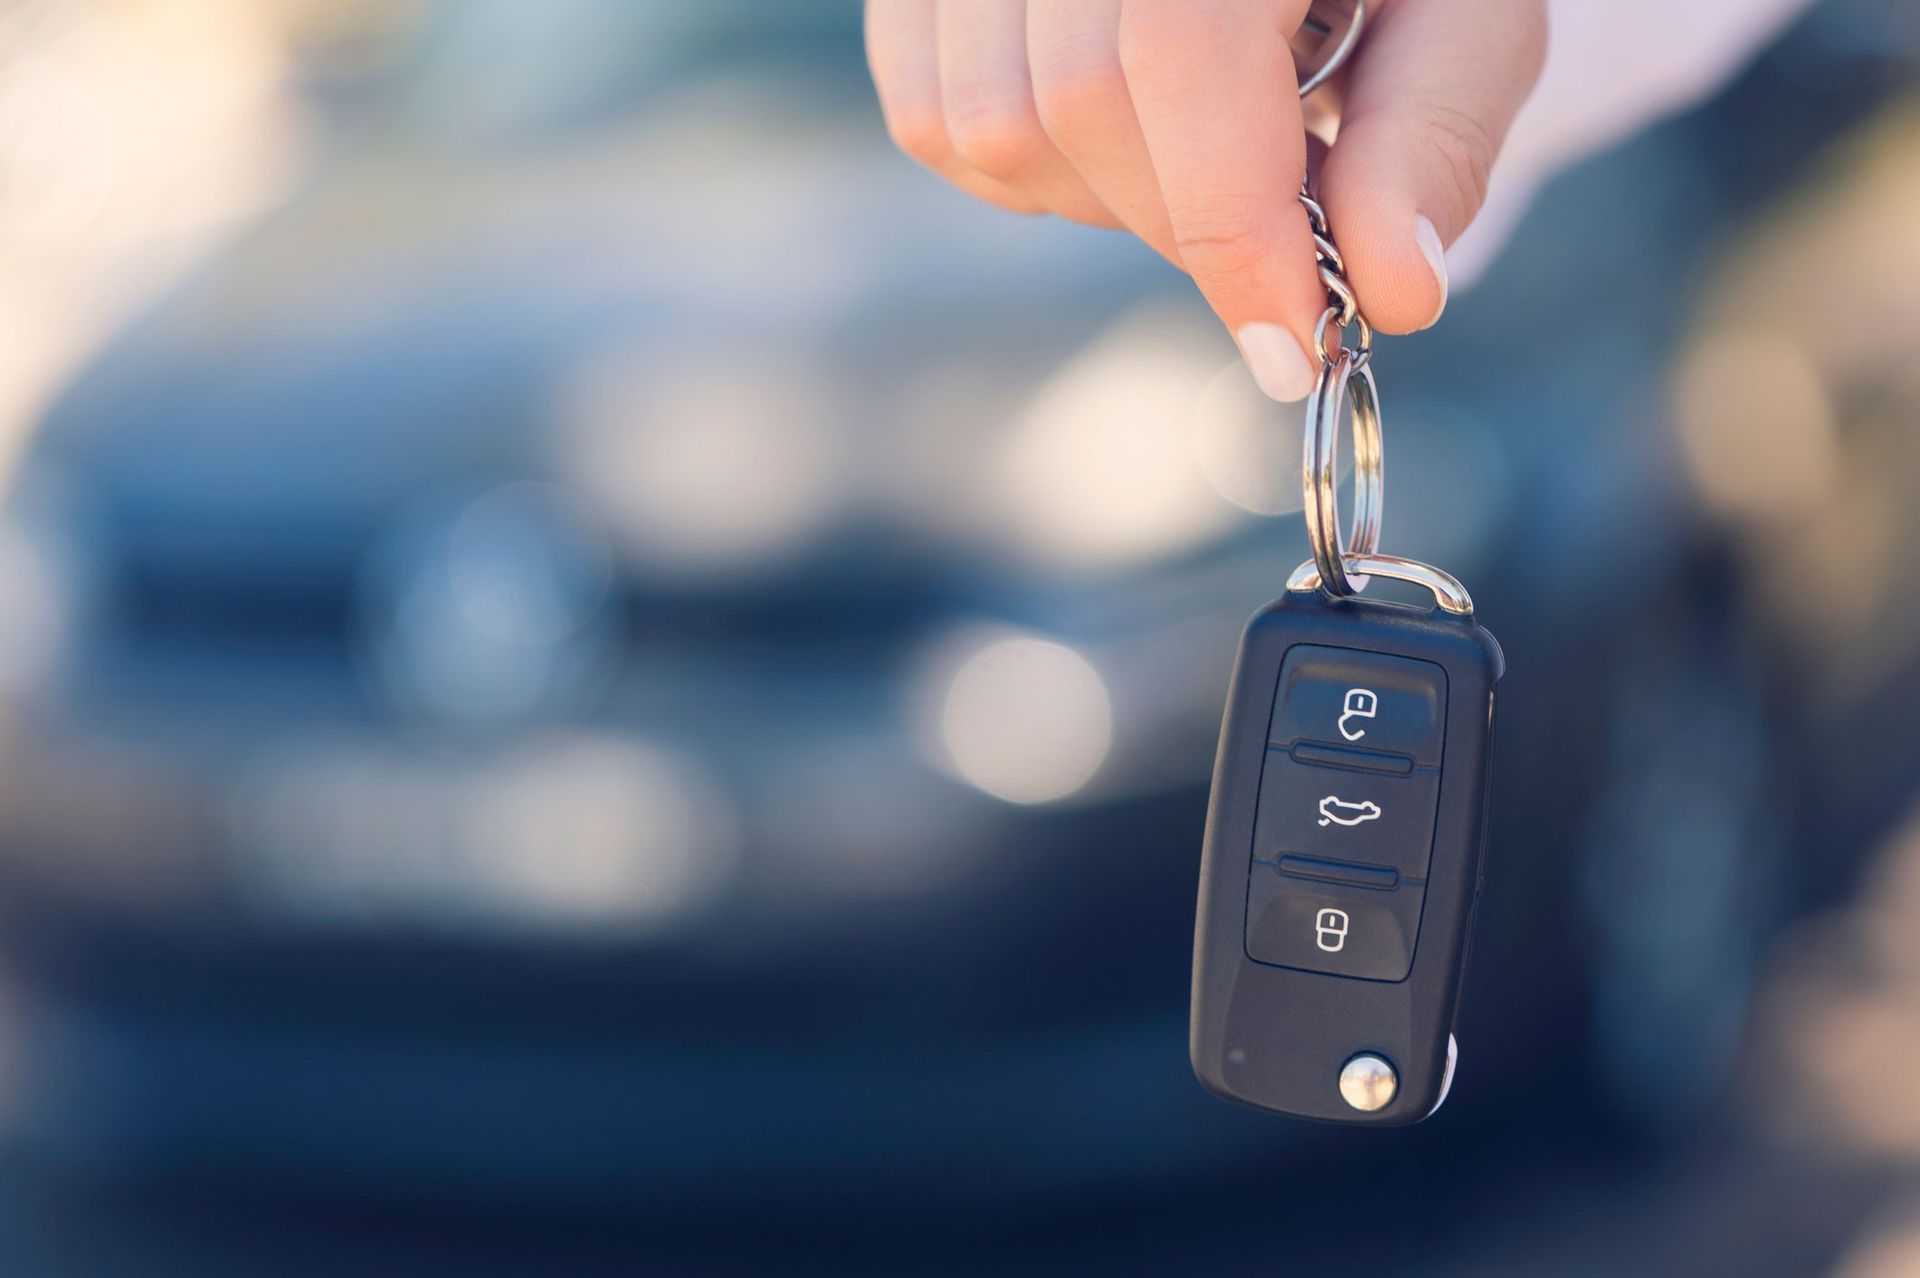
(1180,121)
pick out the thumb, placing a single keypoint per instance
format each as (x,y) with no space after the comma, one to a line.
(1436,87)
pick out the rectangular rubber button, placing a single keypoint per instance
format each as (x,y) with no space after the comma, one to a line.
(1328,927)
(1336,814)
(1363,700)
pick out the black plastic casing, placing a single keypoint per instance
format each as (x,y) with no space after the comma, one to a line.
(1276,1038)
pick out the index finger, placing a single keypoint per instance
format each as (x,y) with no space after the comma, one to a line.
(1213,83)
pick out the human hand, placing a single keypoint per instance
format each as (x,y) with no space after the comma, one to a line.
(1180,120)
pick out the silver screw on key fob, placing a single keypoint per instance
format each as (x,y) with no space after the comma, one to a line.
(1347,824)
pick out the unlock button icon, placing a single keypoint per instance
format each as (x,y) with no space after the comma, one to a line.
(1359,703)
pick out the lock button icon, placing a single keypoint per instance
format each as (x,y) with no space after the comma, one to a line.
(1330,930)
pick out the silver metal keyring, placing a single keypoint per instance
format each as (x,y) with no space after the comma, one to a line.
(1344,383)
(1342,568)
(1337,24)
(1448,593)
(1339,568)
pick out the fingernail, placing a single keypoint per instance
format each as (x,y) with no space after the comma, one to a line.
(1436,255)
(1279,365)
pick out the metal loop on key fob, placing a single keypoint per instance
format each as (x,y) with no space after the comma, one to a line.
(1447,589)
(1346,382)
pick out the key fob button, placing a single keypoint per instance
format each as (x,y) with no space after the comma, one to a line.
(1361,700)
(1332,928)
(1339,814)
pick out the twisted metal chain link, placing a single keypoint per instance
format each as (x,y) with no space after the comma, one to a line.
(1343,308)
(1341,567)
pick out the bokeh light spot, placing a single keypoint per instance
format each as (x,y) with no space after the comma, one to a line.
(1756,425)
(1026,720)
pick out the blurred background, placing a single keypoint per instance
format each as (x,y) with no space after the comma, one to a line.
(598,674)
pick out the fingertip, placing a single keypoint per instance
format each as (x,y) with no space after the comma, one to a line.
(1277,360)
(1427,237)
(1258,276)
(1395,254)
(1401,279)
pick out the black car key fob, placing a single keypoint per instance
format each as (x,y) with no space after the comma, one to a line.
(1343,859)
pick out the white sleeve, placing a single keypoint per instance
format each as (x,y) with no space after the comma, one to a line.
(1613,67)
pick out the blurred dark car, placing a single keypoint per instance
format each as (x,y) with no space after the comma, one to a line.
(538,682)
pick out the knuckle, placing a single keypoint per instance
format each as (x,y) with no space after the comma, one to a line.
(1466,148)
(921,134)
(1142,40)
(995,132)
(1153,32)
(1092,213)
(1227,241)
(1076,84)
(1178,42)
